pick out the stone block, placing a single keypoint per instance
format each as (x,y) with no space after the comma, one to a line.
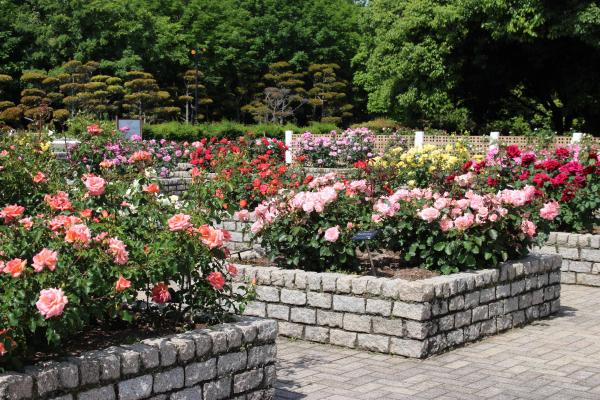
(517,287)
(455,337)
(342,338)
(374,286)
(256,309)
(416,311)
(462,318)
(218,340)
(261,355)
(511,304)
(415,291)
(588,279)
(472,300)
(580,266)
(277,278)
(46,377)
(247,380)
(320,300)
(200,372)
(313,280)
(357,323)
(488,327)
(472,332)
(136,388)
(316,334)
(267,330)
(590,255)
(487,295)
(456,303)
(278,311)
(330,318)
(525,300)
(344,284)
(290,329)
(359,285)
(169,380)
(269,375)
(570,253)
(328,281)
(446,323)
(149,357)
(480,313)
(502,291)
(303,315)
(504,322)
(349,304)
(439,307)
(496,308)
(388,326)
(186,347)
(16,386)
(68,375)
(295,297)
(408,347)
(267,293)
(231,362)
(389,289)
(194,393)
(379,307)
(89,369)
(518,318)
(418,330)
(370,342)
(219,389)
(102,393)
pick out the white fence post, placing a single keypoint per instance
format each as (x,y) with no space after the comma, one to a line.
(419,136)
(288,143)
(576,138)
(494,138)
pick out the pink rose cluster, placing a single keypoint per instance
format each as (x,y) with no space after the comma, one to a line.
(462,213)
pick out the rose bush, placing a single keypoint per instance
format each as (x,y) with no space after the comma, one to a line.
(341,150)
(87,250)
(313,228)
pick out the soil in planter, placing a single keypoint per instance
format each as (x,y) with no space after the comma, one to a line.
(387,264)
(107,335)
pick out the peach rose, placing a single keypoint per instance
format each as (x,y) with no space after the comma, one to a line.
(213,237)
(118,250)
(140,155)
(160,293)
(78,234)
(51,303)
(152,188)
(106,164)
(59,201)
(11,212)
(216,280)
(39,177)
(15,267)
(179,222)
(45,258)
(332,234)
(95,185)
(232,270)
(122,284)
(26,223)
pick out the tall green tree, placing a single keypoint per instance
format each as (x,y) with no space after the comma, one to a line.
(328,93)
(464,63)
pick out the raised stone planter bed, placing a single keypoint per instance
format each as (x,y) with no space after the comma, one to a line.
(581,256)
(229,361)
(412,319)
(324,171)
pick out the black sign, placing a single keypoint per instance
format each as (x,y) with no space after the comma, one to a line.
(365,235)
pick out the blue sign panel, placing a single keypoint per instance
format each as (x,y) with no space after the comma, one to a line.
(365,235)
(130,127)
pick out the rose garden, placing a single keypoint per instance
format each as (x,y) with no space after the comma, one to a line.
(113,286)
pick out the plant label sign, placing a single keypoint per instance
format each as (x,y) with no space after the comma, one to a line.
(130,127)
(365,235)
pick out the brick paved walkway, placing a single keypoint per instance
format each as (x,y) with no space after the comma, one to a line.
(555,358)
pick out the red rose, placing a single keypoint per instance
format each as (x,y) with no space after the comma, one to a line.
(513,151)
(561,152)
(491,181)
(540,178)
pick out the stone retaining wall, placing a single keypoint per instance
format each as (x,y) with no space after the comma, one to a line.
(581,257)
(412,319)
(229,361)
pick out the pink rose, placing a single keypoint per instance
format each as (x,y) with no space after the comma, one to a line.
(216,280)
(26,223)
(45,259)
(332,234)
(446,224)
(11,212)
(550,210)
(51,302)
(160,293)
(95,185)
(122,284)
(118,250)
(464,222)
(429,214)
(241,215)
(179,222)
(528,227)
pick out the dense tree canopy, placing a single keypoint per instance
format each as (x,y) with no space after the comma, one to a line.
(242,38)
(469,63)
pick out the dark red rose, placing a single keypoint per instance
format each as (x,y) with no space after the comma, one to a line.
(527,159)
(540,178)
(524,176)
(467,165)
(513,151)
(491,181)
(561,152)
(559,179)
